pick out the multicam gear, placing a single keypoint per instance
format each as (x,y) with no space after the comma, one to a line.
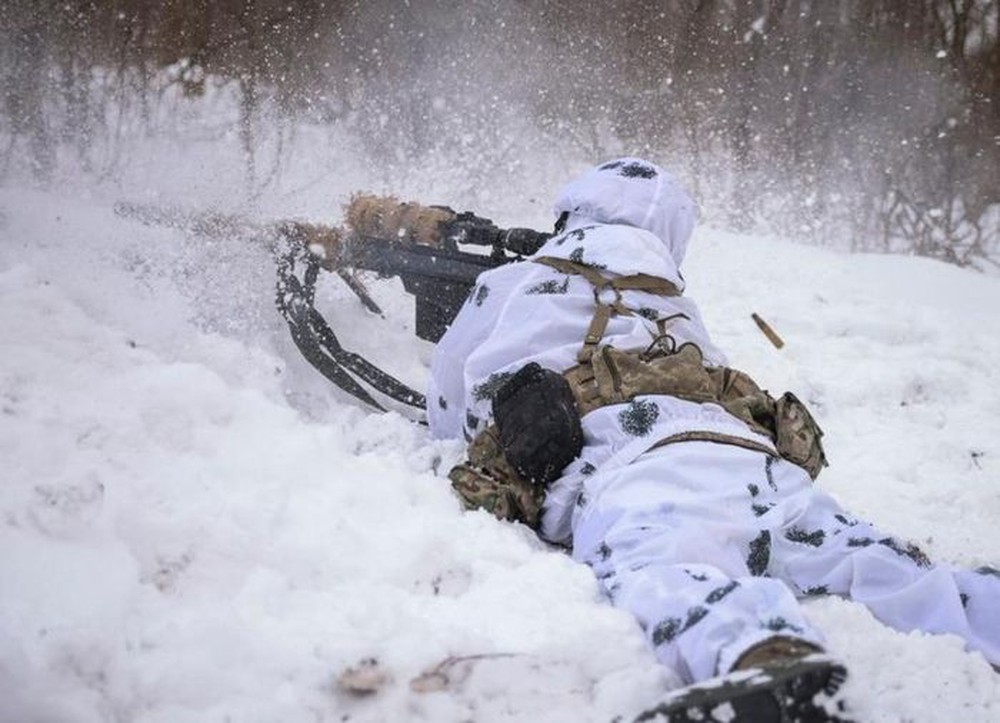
(487,481)
(605,376)
(798,437)
(612,376)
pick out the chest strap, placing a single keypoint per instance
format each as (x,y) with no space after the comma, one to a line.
(605,310)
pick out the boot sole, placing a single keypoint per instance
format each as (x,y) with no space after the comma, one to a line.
(800,692)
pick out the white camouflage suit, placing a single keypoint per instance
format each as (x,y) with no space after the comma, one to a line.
(708,545)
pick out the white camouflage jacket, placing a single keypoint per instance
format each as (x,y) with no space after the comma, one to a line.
(626,217)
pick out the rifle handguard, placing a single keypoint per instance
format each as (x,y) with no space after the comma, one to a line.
(389,218)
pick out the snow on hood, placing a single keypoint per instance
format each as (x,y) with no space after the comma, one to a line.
(637,193)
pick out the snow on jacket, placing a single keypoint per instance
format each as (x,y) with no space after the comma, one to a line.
(626,217)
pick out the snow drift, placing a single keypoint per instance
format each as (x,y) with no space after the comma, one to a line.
(196,527)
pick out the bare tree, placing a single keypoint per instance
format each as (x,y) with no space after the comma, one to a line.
(873,120)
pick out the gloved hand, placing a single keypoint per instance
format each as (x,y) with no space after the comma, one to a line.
(487,481)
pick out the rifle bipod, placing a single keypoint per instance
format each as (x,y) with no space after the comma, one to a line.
(316,340)
(422,245)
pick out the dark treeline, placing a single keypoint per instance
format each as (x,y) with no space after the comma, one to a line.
(871,120)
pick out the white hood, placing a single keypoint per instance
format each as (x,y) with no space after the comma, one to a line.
(636,193)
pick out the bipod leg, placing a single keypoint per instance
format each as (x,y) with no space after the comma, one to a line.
(294,301)
(383,382)
(317,341)
(360,291)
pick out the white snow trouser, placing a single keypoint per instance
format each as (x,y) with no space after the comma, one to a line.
(708,545)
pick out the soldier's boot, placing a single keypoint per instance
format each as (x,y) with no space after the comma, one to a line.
(779,650)
(780,680)
(805,678)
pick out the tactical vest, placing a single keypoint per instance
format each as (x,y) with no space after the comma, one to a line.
(604,375)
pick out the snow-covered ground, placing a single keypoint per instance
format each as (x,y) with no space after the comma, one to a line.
(195,526)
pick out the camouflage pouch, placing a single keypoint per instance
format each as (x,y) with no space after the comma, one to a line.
(613,376)
(487,481)
(738,394)
(798,437)
(623,376)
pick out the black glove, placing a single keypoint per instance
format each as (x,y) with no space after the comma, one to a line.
(538,422)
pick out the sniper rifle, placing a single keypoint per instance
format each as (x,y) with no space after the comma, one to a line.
(422,245)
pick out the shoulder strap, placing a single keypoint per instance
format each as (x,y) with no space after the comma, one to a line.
(632,282)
